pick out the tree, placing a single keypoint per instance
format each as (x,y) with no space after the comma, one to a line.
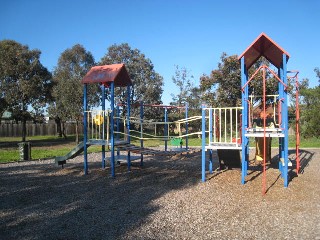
(309,104)
(317,71)
(25,84)
(183,80)
(194,98)
(223,86)
(187,94)
(3,106)
(72,66)
(147,83)
(310,113)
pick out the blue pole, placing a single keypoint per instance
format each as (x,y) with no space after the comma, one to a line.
(281,102)
(85,129)
(103,101)
(246,91)
(244,144)
(112,130)
(187,107)
(285,120)
(141,131)
(128,126)
(203,154)
(165,129)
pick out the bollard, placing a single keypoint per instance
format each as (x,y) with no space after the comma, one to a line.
(25,150)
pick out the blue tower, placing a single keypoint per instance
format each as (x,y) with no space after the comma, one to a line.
(266,47)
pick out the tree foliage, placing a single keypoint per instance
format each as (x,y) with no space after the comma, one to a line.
(317,71)
(187,94)
(184,81)
(147,83)
(310,104)
(310,113)
(72,66)
(24,82)
(222,88)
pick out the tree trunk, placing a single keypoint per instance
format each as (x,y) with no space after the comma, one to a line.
(24,121)
(24,129)
(77,132)
(58,123)
(64,131)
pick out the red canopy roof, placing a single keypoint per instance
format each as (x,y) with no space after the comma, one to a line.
(263,46)
(106,74)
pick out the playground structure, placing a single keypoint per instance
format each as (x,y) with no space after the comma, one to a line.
(108,129)
(262,46)
(228,129)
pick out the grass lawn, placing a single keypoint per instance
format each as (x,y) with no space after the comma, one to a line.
(43,147)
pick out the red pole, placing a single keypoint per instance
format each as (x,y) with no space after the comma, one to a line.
(279,111)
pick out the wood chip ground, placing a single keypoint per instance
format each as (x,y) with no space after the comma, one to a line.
(165,199)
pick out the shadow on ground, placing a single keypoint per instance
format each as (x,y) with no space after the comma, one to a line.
(304,156)
(41,201)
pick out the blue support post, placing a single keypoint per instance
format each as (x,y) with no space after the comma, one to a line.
(165,129)
(187,107)
(85,129)
(128,126)
(112,162)
(203,153)
(285,120)
(141,131)
(103,103)
(210,161)
(281,102)
(245,141)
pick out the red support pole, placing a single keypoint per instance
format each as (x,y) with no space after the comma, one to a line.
(255,73)
(276,76)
